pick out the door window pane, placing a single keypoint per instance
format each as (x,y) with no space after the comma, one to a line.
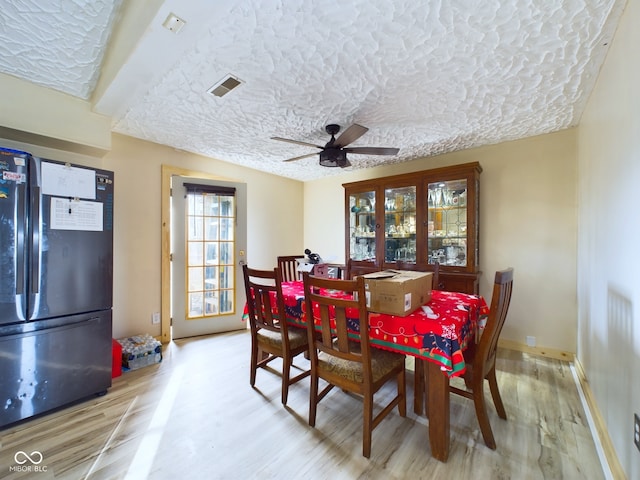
(194,256)
(210,254)
(212,231)
(211,278)
(195,304)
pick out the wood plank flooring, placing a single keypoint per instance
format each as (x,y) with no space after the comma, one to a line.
(195,416)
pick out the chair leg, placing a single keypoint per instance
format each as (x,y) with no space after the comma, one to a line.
(481,413)
(286,372)
(313,400)
(495,393)
(367,424)
(254,365)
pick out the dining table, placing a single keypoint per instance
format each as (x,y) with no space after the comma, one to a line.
(435,334)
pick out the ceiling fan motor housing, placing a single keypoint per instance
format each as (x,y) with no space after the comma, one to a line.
(333,158)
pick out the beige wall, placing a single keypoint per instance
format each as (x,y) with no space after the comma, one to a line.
(528,221)
(609,256)
(274,221)
(275,218)
(33,112)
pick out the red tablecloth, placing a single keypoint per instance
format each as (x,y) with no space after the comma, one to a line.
(438,337)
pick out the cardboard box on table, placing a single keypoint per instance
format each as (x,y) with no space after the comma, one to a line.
(397,292)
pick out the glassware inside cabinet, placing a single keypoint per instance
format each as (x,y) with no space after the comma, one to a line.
(362,226)
(400,224)
(447,223)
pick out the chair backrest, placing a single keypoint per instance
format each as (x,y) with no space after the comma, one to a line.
(352,271)
(485,354)
(288,265)
(436,277)
(346,303)
(265,302)
(347,269)
(401,265)
(434,268)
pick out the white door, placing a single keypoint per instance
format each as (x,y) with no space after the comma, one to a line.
(208,245)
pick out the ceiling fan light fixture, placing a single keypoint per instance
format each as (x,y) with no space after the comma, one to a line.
(334,153)
(334,158)
(224,86)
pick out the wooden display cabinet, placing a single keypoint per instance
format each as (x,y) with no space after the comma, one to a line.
(413,221)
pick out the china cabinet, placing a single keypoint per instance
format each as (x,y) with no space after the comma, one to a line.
(415,220)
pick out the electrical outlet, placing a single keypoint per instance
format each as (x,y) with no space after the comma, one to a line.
(636,430)
(155,318)
(531,341)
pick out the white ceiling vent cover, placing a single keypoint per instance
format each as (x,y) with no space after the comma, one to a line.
(224,86)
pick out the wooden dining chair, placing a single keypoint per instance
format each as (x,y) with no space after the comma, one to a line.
(288,265)
(271,338)
(344,358)
(480,357)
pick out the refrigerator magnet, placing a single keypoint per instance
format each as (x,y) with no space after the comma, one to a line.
(14,177)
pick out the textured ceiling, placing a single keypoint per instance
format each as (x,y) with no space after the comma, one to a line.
(428,77)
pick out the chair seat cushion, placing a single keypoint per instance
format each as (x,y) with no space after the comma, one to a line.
(297,337)
(382,362)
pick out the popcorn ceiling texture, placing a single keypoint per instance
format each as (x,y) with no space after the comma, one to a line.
(428,77)
(56,44)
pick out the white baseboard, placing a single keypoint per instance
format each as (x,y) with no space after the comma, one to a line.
(608,457)
(543,352)
(592,426)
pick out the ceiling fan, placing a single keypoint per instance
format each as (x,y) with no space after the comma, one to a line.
(334,153)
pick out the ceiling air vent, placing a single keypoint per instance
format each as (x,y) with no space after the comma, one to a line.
(173,23)
(224,86)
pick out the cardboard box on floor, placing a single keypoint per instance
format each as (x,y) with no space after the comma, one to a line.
(397,292)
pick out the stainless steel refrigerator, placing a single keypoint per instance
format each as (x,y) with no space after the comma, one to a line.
(56,284)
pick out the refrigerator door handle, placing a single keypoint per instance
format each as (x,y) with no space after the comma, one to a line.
(20,233)
(35,238)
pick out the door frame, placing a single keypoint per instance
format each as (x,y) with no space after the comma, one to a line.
(165,275)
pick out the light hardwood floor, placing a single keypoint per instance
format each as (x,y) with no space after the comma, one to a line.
(195,416)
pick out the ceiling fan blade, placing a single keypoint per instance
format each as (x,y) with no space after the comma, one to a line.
(300,157)
(372,150)
(350,135)
(296,142)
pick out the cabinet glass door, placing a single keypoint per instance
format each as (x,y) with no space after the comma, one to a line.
(362,226)
(447,223)
(400,224)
